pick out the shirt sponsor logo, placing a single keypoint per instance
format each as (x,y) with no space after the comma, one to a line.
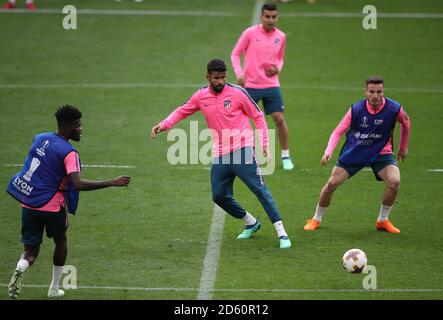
(378,122)
(22,186)
(359,135)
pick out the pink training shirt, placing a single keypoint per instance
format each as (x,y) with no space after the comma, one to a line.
(261,49)
(345,124)
(72,164)
(227,114)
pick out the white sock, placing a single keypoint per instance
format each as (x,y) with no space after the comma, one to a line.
(22,265)
(12,1)
(285,153)
(29,1)
(249,219)
(56,275)
(280,229)
(319,212)
(384,213)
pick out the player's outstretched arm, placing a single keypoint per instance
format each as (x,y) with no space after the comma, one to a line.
(85,185)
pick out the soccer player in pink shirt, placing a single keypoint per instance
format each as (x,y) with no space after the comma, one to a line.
(227,109)
(47,188)
(263,47)
(369,126)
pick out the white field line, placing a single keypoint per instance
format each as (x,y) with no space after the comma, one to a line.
(83,165)
(196,85)
(290,290)
(189,167)
(193,13)
(393,15)
(210,263)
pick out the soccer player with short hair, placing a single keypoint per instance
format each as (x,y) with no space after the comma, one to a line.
(263,47)
(227,109)
(47,187)
(369,142)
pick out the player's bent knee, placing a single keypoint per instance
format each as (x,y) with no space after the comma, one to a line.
(394,184)
(331,186)
(279,121)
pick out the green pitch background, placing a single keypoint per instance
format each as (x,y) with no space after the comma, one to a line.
(154,233)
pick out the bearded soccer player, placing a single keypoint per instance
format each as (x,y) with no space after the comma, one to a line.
(227,109)
(369,143)
(48,187)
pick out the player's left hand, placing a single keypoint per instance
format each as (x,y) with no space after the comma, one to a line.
(266,154)
(156,130)
(402,155)
(271,70)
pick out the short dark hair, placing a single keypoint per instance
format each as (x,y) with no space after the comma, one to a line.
(269,7)
(374,80)
(216,65)
(67,114)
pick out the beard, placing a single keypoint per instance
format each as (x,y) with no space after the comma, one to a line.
(218,89)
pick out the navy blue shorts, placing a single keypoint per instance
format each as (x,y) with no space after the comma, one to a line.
(34,222)
(271,97)
(380,163)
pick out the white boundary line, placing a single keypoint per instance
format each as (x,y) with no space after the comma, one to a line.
(197,85)
(210,263)
(181,167)
(83,165)
(193,13)
(393,15)
(240,290)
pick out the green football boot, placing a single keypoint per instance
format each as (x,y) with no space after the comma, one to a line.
(249,230)
(285,242)
(287,163)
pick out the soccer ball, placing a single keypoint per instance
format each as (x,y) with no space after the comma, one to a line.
(355,261)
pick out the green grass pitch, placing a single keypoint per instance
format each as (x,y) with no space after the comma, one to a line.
(127,72)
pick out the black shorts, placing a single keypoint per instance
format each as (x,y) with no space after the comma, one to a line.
(34,222)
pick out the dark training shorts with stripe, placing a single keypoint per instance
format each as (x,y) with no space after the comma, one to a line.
(34,222)
(379,164)
(271,97)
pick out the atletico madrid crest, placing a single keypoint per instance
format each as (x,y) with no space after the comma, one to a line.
(227,104)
